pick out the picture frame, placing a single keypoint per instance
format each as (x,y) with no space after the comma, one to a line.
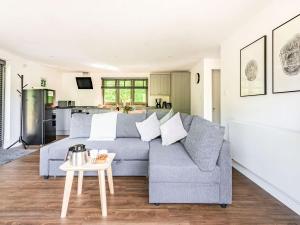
(286,57)
(253,69)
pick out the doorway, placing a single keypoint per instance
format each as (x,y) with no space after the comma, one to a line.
(216,89)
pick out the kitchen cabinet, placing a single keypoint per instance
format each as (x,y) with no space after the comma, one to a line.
(160,84)
(181,91)
(63,121)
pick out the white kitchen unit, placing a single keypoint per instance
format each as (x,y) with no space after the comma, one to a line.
(63,121)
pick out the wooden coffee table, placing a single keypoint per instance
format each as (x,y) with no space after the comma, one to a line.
(100,168)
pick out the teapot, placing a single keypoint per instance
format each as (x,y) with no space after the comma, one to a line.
(77,155)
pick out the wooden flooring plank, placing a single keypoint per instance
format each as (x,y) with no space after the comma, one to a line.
(26,198)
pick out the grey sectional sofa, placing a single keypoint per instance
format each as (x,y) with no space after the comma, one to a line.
(173,175)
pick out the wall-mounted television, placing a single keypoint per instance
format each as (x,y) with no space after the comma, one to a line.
(84,82)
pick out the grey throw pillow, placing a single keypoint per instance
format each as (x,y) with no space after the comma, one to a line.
(186,121)
(80,125)
(126,125)
(204,142)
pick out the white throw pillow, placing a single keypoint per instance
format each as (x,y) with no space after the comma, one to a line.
(167,117)
(149,128)
(172,130)
(104,127)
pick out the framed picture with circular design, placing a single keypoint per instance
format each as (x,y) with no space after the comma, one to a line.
(253,69)
(286,57)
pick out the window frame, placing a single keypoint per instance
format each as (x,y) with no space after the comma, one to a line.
(118,87)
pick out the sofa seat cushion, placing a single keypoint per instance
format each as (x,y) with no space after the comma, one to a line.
(125,148)
(173,164)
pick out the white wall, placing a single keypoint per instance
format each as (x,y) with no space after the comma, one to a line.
(201,94)
(93,97)
(33,72)
(269,159)
(197,89)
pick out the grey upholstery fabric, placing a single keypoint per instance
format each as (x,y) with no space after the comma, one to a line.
(126,126)
(125,148)
(80,125)
(173,175)
(119,168)
(172,164)
(159,113)
(204,142)
(186,121)
(225,164)
(184,192)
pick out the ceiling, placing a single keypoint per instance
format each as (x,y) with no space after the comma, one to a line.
(121,35)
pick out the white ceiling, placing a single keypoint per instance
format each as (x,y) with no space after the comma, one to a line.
(124,35)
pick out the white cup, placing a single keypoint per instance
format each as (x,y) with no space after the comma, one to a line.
(94,153)
(102,151)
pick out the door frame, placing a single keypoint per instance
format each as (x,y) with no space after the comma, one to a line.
(212,90)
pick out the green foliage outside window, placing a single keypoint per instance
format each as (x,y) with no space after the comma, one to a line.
(140,95)
(109,95)
(118,91)
(125,95)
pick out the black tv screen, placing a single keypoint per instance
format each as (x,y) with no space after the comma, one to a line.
(84,83)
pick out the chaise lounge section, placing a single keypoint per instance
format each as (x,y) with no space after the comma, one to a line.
(175,178)
(173,175)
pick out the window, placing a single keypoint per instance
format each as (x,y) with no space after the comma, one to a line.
(119,91)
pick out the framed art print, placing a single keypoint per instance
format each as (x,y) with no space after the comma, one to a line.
(286,56)
(253,68)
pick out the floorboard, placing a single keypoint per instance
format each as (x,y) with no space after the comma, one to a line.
(26,198)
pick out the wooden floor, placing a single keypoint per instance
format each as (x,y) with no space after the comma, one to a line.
(26,198)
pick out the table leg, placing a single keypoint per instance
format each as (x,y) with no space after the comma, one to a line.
(79,184)
(110,180)
(67,191)
(101,177)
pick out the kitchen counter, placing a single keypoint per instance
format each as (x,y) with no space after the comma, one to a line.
(64,114)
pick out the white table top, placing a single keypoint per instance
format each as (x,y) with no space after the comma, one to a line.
(66,166)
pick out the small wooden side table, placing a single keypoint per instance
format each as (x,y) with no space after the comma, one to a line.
(100,168)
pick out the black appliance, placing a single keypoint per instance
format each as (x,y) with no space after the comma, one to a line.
(164,105)
(84,82)
(169,105)
(65,104)
(39,118)
(158,103)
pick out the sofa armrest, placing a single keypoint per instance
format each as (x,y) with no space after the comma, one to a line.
(225,164)
(44,157)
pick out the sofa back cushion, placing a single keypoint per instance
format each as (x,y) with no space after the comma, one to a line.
(80,125)
(126,124)
(204,142)
(186,121)
(159,113)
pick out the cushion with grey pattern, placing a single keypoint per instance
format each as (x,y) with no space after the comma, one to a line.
(186,121)
(204,142)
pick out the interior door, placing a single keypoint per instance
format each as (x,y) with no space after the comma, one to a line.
(216,106)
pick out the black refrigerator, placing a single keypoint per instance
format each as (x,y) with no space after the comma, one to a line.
(39,118)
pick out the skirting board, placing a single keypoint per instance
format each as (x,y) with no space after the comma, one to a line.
(281,196)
